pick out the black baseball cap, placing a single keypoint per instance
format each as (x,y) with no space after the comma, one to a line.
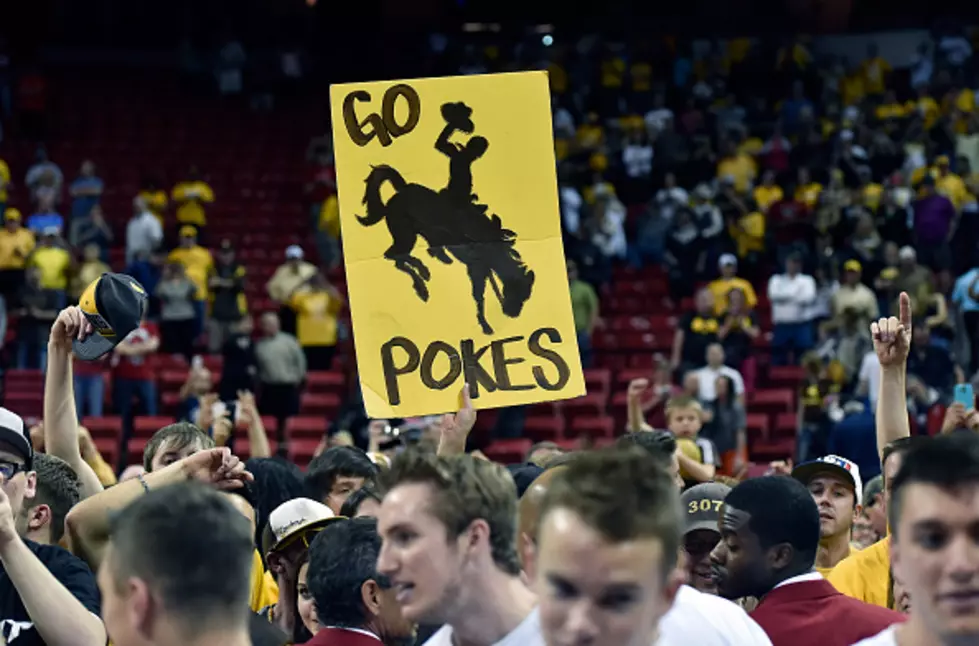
(702,505)
(114,304)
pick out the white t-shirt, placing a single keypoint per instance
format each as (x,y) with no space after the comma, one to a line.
(706,620)
(707,379)
(887,637)
(528,633)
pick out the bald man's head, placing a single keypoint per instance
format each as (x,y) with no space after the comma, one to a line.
(529,514)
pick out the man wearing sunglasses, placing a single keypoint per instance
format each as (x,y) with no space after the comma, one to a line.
(47,596)
(285,541)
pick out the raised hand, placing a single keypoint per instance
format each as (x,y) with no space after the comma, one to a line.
(247,408)
(892,336)
(216,467)
(637,387)
(454,429)
(71,324)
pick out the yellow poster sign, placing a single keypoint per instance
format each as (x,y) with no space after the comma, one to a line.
(452,243)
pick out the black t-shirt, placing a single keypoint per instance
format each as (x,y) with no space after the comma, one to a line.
(698,333)
(16,627)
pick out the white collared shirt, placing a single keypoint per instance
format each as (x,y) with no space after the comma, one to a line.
(528,633)
(886,637)
(703,619)
(800,578)
(355,630)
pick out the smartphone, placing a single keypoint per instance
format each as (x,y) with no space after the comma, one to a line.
(965,396)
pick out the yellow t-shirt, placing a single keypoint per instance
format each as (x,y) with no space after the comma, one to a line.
(750,235)
(809,194)
(952,187)
(4,180)
(740,168)
(613,69)
(891,111)
(316,318)
(852,89)
(865,575)
(642,76)
(927,107)
(197,263)
(264,589)
(330,216)
(191,197)
(826,570)
(15,247)
(765,196)
(874,71)
(871,194)
(720,288)
(156,202)
(53,262)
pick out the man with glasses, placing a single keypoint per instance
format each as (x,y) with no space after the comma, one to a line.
(285,541)
(47,596)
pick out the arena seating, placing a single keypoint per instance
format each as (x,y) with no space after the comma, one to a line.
(142,126)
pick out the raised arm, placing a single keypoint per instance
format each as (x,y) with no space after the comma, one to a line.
(60,416)
(87,524)
(892,343)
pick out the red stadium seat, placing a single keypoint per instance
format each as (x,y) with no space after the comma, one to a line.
(108,448)
(108,427)
(306,427)
(325,382)
(146,426)
(757,427)
(547,428)
(786,376)
(595,427)
(586,405)
(779,400)
(508,451)
(786,425)
(769,451)
(598,380)
(319,404)
(172,379)
(29,403)
(301,451)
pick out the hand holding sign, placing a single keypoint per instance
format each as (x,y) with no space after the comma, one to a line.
(454,429)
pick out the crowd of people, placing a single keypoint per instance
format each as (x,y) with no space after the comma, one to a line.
(426,543)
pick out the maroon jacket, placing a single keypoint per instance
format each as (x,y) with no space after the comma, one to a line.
(341,637)
(813,613)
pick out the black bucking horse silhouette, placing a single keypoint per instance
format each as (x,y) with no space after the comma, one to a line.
(452,222)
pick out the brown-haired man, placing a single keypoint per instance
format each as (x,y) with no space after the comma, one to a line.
(448,526)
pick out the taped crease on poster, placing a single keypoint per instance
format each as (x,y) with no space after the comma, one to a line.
(452,243)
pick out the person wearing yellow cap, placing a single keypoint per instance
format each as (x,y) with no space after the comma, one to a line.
(16,244)
(853,301)
(198,265)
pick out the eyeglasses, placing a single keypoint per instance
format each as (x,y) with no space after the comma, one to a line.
(9,469)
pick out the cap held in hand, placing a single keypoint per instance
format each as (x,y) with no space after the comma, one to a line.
(114,305)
